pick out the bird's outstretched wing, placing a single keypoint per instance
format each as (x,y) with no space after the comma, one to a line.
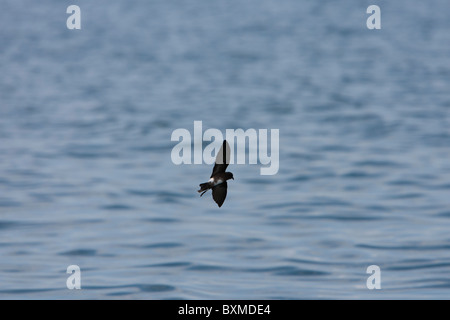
(219,193)
(222,159)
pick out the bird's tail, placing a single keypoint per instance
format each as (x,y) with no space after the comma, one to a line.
(204,187)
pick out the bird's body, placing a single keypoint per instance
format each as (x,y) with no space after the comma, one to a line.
(218,180)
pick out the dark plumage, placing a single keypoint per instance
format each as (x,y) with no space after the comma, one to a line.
(218,180)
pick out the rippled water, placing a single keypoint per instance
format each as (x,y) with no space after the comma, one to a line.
(86,176)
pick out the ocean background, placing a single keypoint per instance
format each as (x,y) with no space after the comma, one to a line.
(86,176)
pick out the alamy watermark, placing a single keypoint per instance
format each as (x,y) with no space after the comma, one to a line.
(374,280)
(74,280)
(74,20)
(258,147)
(374,21)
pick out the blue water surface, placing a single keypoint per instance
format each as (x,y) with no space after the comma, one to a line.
(86,176)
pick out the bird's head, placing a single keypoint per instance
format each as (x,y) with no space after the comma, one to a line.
(229,175)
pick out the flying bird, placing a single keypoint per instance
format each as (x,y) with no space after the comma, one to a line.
(218,181)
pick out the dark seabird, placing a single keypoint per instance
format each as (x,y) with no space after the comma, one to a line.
(218,181)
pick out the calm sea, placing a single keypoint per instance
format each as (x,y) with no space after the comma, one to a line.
(86,176)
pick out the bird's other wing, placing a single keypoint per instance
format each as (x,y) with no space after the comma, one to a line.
(222,159)
(219,193)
